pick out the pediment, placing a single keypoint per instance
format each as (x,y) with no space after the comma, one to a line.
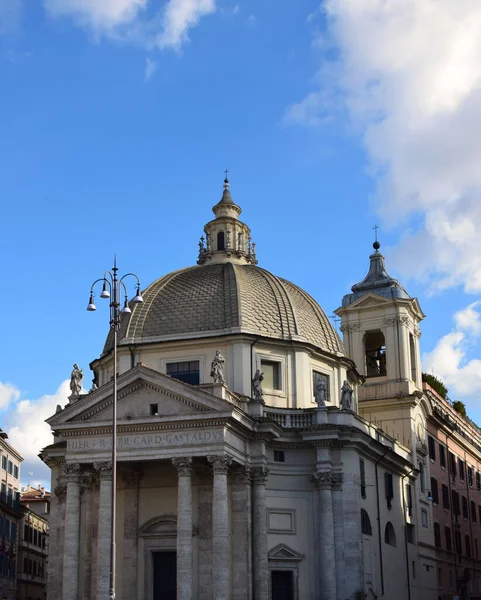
(162,526)
(283,552)
(370,300)
(138,390)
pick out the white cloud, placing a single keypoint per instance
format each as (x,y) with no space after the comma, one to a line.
(448,360)
(27,431)
(251,20)
(150,68)
(236,9)
(409,75)
(10,16)
(127,20)
(8,394)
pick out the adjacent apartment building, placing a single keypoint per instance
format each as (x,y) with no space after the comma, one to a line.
(10,516)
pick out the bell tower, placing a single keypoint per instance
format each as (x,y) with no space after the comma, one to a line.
(380,326)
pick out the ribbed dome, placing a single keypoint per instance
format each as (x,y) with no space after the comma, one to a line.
(226,298)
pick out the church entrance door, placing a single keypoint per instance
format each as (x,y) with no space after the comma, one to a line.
(282,585)
(165,575)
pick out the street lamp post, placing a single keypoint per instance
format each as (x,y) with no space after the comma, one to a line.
(112,288)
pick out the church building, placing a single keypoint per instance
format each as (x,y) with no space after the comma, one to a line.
(259,456)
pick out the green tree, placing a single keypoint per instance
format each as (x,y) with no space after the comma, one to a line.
(437,385)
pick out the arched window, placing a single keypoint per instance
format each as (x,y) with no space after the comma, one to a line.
(365,523)
(412,355)
(375,349)
(220,241)
(389,534)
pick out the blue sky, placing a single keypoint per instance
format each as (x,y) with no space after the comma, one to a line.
(118,119)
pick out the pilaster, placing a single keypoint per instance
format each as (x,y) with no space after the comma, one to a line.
(89,482)
(242,534)
(56,530)
(204,591)
(327,557)
(259,476)
(131,479)
(184,527)
(220,527)
(338,517)
(70,578)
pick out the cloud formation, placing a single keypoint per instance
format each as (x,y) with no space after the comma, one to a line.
(150,68)
(448,360)
(145,23)
(26,428)
(409,76)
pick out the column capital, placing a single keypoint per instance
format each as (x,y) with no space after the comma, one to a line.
(91,480)
(73,472)
(131,477)
(323,480)
(337,481)
(259,475)
(104,469)
(183,465)
(60,492)
(220,463)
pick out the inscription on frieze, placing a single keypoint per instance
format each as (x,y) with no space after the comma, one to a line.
(151,440)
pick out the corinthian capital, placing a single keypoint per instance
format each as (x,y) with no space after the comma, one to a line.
(323,480)
(72,472)
(220,463)
(60,492)
(183,466)
(104,469)
(337,481)
(259,475)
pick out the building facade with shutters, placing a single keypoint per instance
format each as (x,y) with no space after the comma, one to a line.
(302,484)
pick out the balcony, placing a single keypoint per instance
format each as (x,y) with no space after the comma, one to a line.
(8,501)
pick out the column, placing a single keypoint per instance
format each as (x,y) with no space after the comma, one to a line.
(204,538)
(184,527)
(220,527)
(104,529)
(259,533)
(130,543)
(351,499)
(56,530)
(338,517)
(95,536)
(71,551)
(89,481)
(327,558)
(241,533)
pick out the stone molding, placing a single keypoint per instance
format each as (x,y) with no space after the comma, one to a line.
(396,321)
(60,492)
(104,469)
(73,472)
(183,465)
(323,480)
(259,475)
(220,463)
(350,328)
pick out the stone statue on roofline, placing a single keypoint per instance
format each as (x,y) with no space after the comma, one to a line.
(257,386)
(346,396)
(217,368)
(76,380)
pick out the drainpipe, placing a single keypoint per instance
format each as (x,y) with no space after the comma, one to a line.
(406,530)
(379,522)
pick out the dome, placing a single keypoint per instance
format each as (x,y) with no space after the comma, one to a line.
(223,299)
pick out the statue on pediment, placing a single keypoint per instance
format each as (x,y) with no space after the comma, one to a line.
(257,385)
(76,380)
(346,396)
(217,368)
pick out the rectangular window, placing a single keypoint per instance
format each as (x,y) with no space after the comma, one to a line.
(461,469)
(272,374)
(456,506)
(410,533)
(470,476)
(440,576)
(434,490)
(476,552)
(389,488)
(437,535)
(432,448)
(422,478)
(478,481)
(279,456)
(452,466)
(10,467)
(363,477)
(473,512)
(447,535)
(15,471)
(465,508)
(445,491)
(154,410)
(424,517)
(409,499)
(413,564)
(442,456)
(320,387)
(4,463)
(457,541)
(467,543)
(188,371)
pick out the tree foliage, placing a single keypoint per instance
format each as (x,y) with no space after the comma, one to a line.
(437,385)
(460,408)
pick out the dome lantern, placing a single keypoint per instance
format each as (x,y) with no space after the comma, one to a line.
(227,238)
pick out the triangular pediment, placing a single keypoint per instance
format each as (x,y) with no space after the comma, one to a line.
(142,393)
(370,300)
(283,552)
